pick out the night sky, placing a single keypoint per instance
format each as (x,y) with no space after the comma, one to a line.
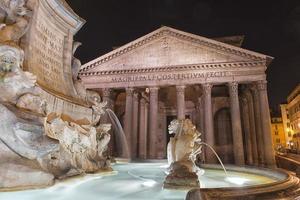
(270,27)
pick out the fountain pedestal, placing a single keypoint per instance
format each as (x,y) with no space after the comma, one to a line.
(181,175)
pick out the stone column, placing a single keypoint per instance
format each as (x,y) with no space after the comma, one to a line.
(266,124)
(180,102)
(246,125)
(252,127)
(201,115)
(143,130)
(107,96)
(238,147)
(153,117)
(135,125)
(128,116)
(200,109)
(258,126)
(208,122)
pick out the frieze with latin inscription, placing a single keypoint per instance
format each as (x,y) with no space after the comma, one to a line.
(174,76)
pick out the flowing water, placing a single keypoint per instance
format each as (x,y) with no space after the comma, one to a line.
(198,151)
(134,181)
(122,146)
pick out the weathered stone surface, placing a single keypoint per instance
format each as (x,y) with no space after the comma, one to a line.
(183,149)
(48,47)
(82,145)
(72,145)
(15,176)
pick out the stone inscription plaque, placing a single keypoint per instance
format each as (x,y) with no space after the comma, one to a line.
(49,52)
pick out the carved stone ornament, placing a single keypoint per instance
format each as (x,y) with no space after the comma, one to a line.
(262,85)
(129,91)
(107,92)
(180,88)
(207,88)
(153,91)
(233,88)
(15,24)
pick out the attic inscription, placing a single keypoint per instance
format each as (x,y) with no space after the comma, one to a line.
(175,76)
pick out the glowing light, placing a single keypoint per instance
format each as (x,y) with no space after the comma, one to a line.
(236,180)
(149,183)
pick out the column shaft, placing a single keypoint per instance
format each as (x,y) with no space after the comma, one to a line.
(153,117)
(142,130)
(247,132)
(238,147)
(208,123)
(135,124)
(252,127)
(128,116)
(266,124)
(258,127)
(180,102)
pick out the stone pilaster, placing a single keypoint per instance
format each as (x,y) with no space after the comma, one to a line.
(258,126)
(135,125)
(238,148)
(266,124)
(180,102)
(247,131)
(208,122)
(128,116)
(143,130)
(252,127)
(153,117)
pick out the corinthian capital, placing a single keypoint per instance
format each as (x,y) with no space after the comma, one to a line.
(262,85)
(107,92)
(233,88)
(129,91)
(180,88)
(207,88)
(153,90)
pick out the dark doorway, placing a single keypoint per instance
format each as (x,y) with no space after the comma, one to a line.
(223,135)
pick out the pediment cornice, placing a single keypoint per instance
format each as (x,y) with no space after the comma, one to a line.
(167,31)
(206,66)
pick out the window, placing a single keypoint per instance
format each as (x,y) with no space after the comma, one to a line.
(277,140)
(276,132)
(276,127)
(289,134)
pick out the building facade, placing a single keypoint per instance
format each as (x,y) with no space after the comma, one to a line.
(293,107)
(170,74)
(278,134)
(286,125)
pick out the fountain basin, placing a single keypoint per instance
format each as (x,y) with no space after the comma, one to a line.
(145,180)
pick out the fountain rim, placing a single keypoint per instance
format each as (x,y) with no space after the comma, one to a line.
(255,170)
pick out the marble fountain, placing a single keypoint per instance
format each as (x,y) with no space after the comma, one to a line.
(53,144)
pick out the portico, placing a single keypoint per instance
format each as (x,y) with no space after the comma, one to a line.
(169,73)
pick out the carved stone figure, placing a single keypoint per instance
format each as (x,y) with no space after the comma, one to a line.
(14,24)
(181,148)
(83,143)
(76,63)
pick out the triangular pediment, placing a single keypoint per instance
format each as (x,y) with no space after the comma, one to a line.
(170,47)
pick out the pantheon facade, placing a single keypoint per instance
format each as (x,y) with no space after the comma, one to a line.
(170,74)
